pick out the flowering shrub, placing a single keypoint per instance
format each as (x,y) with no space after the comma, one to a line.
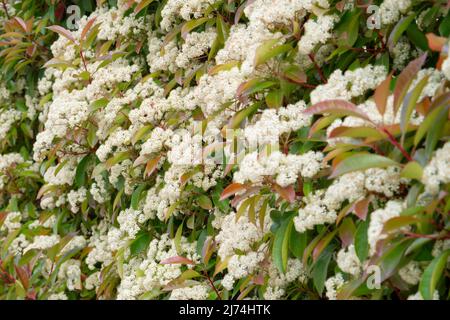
(212,149)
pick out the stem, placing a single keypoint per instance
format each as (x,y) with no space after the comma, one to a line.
(84,63)
(397,145)
(212,285)
(6,9)
(319,70)
(383,43)
(428,236)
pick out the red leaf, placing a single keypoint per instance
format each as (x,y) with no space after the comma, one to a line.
(231,190)
(23,276)
(87,27)
(347,232)
(151,166)
(177,260)
(258,279)
(31,50)
(60,10)
(405,78)
(21,23)
(287,193)
(382,93)
(240,10)
(337,106)
(361,208)
(435,42)
(64,32)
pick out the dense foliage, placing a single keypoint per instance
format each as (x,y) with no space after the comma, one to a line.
(224,149)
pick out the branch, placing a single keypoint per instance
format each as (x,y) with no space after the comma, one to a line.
(6,9)
(319,70)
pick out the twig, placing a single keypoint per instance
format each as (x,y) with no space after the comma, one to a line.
(212,285)
(319,70)
(428,236)
(392,139)
(84,63)
(6,9)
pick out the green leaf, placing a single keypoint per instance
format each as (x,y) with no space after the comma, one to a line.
(417,37)
(118,157)
(323,243)
(223,67)
(348,28)
(243,207)
(435,132)
(280,250)
(319,273)
(295,74)
(192,24)
(444,27)
(97,104)
(253,86)
(356,132)
(140,133)
(362,161)
(140,243)
(204,202)
(392,257)
(409,105)
(398,30)
(412,170)
(432,274)
(361,240)
(439,111)
(80,174)
(274,99)
(177,239)
(268,50)
(136,196)
(297,243)
(243,114)
(142,5)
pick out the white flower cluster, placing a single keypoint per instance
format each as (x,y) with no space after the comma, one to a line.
(411,273)
(7,119)
(348,261)
(182,9)
(295,271)
(437,171)
(70,272)
(7,162)
(391,10)
(142,140)
(446,68)
(196,292)
(418,296)
(332,286)
(269,12)
(12,221)
(316,32)
(75,198)
(255,167)
(247,232)
(392,209)
(349,84)
(275,122)
(141,275)
(43,242)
